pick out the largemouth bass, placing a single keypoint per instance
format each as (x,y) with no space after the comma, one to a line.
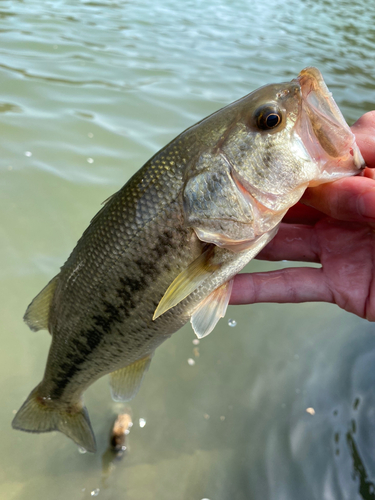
(164,249)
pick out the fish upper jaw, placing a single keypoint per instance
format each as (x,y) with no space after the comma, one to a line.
(324,131)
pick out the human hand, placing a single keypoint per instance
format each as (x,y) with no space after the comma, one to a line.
(334,226)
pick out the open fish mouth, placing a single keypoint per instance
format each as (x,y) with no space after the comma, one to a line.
(327,132)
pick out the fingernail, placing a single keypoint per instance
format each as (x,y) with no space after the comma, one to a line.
(366,204)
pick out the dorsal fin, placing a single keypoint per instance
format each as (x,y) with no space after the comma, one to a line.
(37,314)
(125,383)
(104,206)
(211,309)
(187,281)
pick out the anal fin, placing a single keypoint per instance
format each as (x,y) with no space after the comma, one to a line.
(37,314)
(125,383)
(211,309)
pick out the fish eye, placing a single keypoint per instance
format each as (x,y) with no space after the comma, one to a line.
(268,117)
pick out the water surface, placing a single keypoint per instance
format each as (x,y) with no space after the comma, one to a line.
(89,91)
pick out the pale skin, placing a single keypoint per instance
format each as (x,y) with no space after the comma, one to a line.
(334,226)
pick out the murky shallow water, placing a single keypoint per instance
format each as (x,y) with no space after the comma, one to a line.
(89,91)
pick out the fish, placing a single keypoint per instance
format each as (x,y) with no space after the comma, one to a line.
(165,248)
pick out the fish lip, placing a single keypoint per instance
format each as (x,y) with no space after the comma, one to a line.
(326,122)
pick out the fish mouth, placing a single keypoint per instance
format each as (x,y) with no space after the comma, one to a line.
(327,135)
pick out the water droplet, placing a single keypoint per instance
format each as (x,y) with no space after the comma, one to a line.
(91,135)
(142,422)
(191,361)
(310,410)
(232,322)
(82,450)
(28,153)
(90,160)
(95,492)
(196,341)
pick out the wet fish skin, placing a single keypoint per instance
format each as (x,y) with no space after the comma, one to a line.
(215,196)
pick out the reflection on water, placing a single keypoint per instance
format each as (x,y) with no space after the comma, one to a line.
(89,91)
(366,487)
(118,446)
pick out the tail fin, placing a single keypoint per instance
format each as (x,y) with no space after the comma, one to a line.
(36,416)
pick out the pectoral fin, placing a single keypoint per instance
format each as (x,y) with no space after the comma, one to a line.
(36,316)
(125,383)
(187,281)
(211,309)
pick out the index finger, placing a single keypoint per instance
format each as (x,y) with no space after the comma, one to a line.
(351,198)
(347,199)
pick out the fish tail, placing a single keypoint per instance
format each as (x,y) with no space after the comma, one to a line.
(38,415)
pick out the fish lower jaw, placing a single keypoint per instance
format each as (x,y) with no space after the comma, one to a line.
(358,159)
(336,168)
(328,168)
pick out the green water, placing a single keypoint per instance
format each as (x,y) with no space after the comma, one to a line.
(89,90)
